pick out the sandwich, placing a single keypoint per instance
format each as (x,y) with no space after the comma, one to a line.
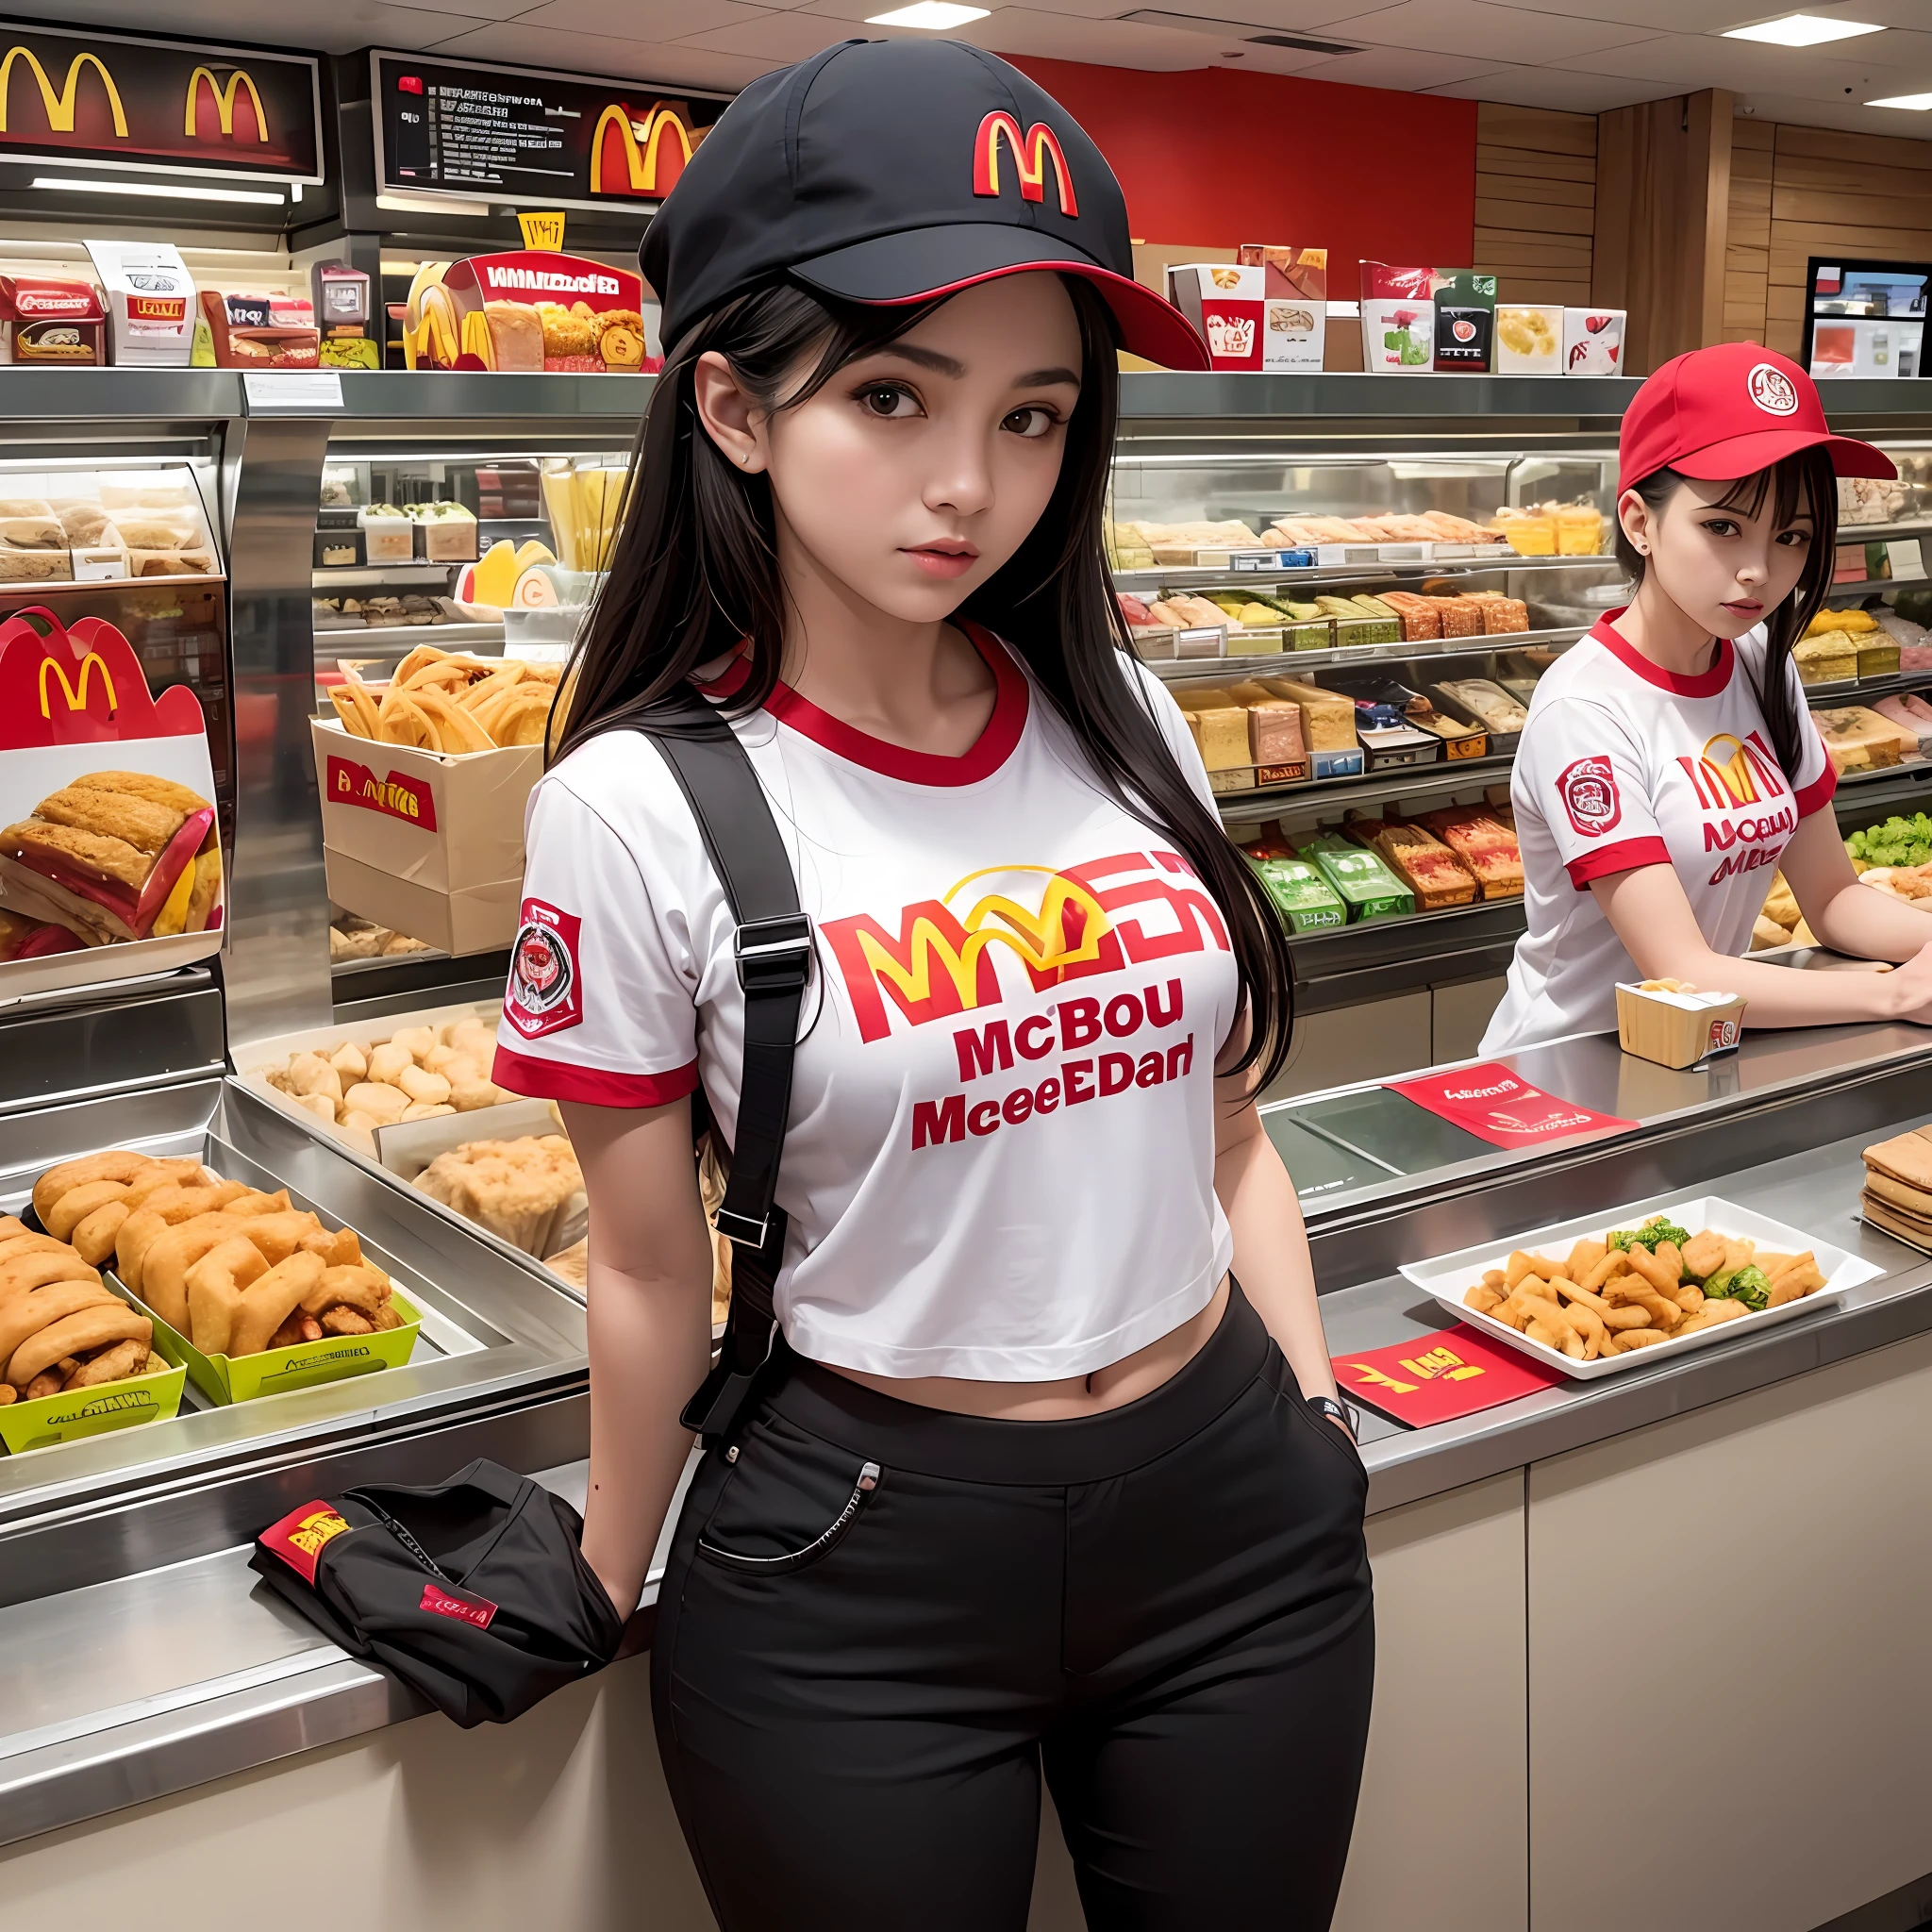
(516,334)
(115,856)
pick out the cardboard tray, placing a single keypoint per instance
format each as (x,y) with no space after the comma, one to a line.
(126,1404)
(1448,1277)
(484,1123)
(1500,741)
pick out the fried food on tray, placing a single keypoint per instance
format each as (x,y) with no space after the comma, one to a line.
(61,1327)
(522,1190)
(447,701)
(1643,1286)
(417,1073)
(227,1265)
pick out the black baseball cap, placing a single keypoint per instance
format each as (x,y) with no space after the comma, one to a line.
(896,171)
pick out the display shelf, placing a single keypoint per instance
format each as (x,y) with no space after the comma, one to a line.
(1182,670)
(35,588)
(1330,797)
(1881,533)
(1347,964)
(390,637)
(352,577)
(1183,578)
(1870,586)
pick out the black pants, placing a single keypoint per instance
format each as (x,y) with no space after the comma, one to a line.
(880,1622)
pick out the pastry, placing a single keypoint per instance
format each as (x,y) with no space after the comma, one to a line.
(517,1189)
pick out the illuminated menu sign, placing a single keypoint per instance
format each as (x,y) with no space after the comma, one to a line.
(163,106)
(472,132)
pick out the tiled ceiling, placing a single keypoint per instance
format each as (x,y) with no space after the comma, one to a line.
(1582,54)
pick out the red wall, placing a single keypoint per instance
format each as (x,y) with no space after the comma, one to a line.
(1218,157)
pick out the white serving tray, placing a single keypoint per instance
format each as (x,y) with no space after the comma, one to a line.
(1449,1277)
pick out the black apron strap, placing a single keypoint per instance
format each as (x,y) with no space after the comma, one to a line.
(774,950)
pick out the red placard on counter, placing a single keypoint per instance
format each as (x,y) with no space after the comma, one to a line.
(1503,1108)
(1438,1377)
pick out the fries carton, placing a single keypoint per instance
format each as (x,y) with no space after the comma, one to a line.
(428,842)
(67,1416)
(1678,1029)
(227,1379)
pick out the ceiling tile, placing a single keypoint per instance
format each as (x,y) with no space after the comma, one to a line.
(1475,30)
(1554,87)
(341,27)
(656,21)
(660,64)
(1691,62)
(1105,43)
(1840,113)
(1663,16)
(779,38)
(1407,69)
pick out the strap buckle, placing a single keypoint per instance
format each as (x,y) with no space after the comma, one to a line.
(774,955)
(745,1230)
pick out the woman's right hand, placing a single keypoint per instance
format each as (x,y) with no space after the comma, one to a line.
(1907,990)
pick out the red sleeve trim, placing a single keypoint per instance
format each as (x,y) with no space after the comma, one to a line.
(1626,855)
(542,1079)
(1818,795)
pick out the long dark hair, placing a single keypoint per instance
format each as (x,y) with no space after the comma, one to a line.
(1805,481)
(694,570)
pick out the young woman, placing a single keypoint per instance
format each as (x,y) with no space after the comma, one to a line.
(1669,764)
(1032,1478)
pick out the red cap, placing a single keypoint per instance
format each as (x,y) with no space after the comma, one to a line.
(1730,411)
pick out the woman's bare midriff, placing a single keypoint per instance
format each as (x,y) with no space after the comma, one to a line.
(1113,1387)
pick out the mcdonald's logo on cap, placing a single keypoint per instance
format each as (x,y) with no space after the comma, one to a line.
(1029,151)
(643,147)
(77,700)
(224,101)
(61,107)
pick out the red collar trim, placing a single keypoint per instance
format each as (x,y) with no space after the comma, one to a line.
(1705,684)
(991,749)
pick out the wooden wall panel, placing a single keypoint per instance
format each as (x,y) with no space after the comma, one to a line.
(1831,193)
(1747,249)
(1535,202)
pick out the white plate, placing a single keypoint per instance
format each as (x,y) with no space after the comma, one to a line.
(1449,1277)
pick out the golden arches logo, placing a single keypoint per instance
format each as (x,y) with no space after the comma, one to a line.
(61,107)
(77,700)
(1040,940)
(1029,151)
(225,101)
(1727,758)
(641,158)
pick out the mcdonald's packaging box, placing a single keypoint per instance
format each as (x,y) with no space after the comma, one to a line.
(111,862)
(150,300)
(428,842)
(528,311)
(1248,315)
(1677,1025)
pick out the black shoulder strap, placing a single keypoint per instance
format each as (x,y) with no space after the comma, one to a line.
(774,953)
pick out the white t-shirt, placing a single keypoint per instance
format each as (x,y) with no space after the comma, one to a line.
(1623,764)
(1000,1157)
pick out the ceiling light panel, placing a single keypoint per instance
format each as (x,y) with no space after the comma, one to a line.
(934,15)
(65,185)
(1802,30)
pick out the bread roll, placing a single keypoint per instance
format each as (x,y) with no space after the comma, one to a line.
(380,1100)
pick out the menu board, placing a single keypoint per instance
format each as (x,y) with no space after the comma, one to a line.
(96,100)
(458,128)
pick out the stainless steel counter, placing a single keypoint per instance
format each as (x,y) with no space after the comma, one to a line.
(161,1674)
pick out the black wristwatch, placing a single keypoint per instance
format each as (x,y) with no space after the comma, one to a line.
(1330,1410)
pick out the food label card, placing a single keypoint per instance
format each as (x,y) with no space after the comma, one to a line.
(1503,1108)
(1435,1379)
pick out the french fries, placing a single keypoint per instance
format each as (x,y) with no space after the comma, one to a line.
(1599,1300)
(447,701)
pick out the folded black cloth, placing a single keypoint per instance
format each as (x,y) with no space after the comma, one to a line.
(474,1592)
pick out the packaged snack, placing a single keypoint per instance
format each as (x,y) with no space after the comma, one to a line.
(449,531)
(1294,295)
(1529,339)
(1593,342)
(1360,878)
(388,536)
(529,310)
(1465,320)
(1302,894)
(51,323)
(249,333)
(1398,320)
(150,302)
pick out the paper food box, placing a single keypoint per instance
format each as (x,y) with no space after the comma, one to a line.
(1398,320)
(50,323)
(428,842)
(1465,320)
(1593,342)
(527,309)
(1529,339)
(1294,291)
(259,332)
(1676,1026)
(110,864)
(150,302)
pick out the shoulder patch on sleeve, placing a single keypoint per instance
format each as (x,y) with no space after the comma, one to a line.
(544,993)
(1588,792)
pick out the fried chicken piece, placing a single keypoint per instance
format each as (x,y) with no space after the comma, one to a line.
(347,1321)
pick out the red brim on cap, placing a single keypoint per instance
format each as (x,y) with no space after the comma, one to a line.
(928,265)
(1744,456)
